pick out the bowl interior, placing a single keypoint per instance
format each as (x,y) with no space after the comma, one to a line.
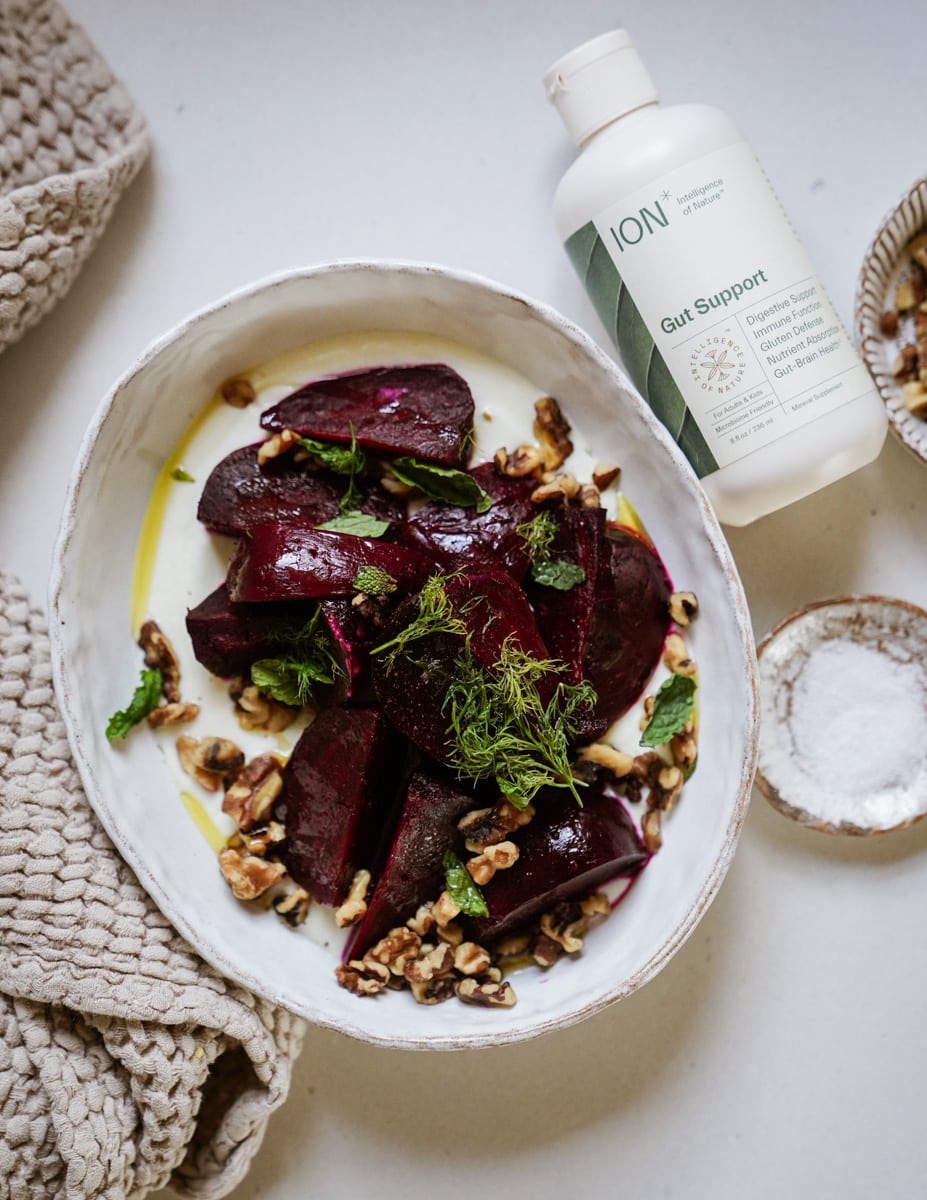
(137,427)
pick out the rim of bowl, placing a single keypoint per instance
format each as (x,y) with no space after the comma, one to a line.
(719,546)
(883,255)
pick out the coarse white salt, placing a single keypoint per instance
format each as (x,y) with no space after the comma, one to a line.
(843,735)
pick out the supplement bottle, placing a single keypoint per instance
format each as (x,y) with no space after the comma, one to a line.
(701,283)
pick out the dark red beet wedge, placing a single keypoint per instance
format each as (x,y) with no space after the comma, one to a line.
(411,690)
(239,494)
(413,873)
(284,562)
(353,637)
(566,851)
(227,638)
(462,538)
(340,788)
(630,621)
(424,410)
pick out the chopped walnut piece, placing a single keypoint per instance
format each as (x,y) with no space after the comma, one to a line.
(451,933)
(676,656)
(491,994)
(683,606)
(553,432)
(905,365)
(560,487)
(564,923)
(497,857)
(512,948)
(487,826)
(293,906)
(238,392)
(431,962)
(888,323)
(362,978)
(545,951)
(684,748)
(471,959)
(160,653)
(433,991)
(251,797)
(186,747)
(354,907)
(422,921)
(588,496)
(398,947)
(522,462)
(247,875)
(666,789)
(910,292)
(277,444)
(603,476)
(616,762)
(266,837)
(650,830)
(914,394)
(209,760)
(444,910)
(177,713)
(396,487)
(596,905)
(255,711)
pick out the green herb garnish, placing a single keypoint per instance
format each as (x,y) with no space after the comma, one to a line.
(147,696)
(442,483)
(558,573)
(181,475)
(374,581)
(341,460)
(357,523)
(501,728)
(435,615)
(672,708)
(309,662)
(460,887)
(538,535)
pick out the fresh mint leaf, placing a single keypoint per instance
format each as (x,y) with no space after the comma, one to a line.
(357,523)
(460,887)
(672,708)
(374,581)
(558,573)
(147,696)
(442,483)
(181,475)
(341,460)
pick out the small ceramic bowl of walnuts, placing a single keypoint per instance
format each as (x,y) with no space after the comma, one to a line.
(891,316)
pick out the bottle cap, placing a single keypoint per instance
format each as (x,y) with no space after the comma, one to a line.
(598,82)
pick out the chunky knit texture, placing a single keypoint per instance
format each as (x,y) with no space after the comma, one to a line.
(70,142)
(126,1062)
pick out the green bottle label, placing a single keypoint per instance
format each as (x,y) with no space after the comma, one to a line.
(639,354)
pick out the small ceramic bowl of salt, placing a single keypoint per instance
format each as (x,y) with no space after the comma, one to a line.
(843,715)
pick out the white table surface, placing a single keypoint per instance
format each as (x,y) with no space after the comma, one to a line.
(782,1051)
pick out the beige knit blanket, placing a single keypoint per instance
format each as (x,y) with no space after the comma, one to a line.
(70,142)
(126,1063)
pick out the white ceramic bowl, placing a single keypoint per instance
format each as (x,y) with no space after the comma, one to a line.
(884,265)
(135,430)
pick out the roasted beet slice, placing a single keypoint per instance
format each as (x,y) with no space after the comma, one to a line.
(239,494)
(629,622)
(462,538)
(564,852)
(425,410)
(564,617)
(412,688)
(227,638)
(413,873)
(353,636)
(286,562)
(340,787)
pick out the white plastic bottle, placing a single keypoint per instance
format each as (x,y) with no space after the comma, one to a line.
(711,301)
